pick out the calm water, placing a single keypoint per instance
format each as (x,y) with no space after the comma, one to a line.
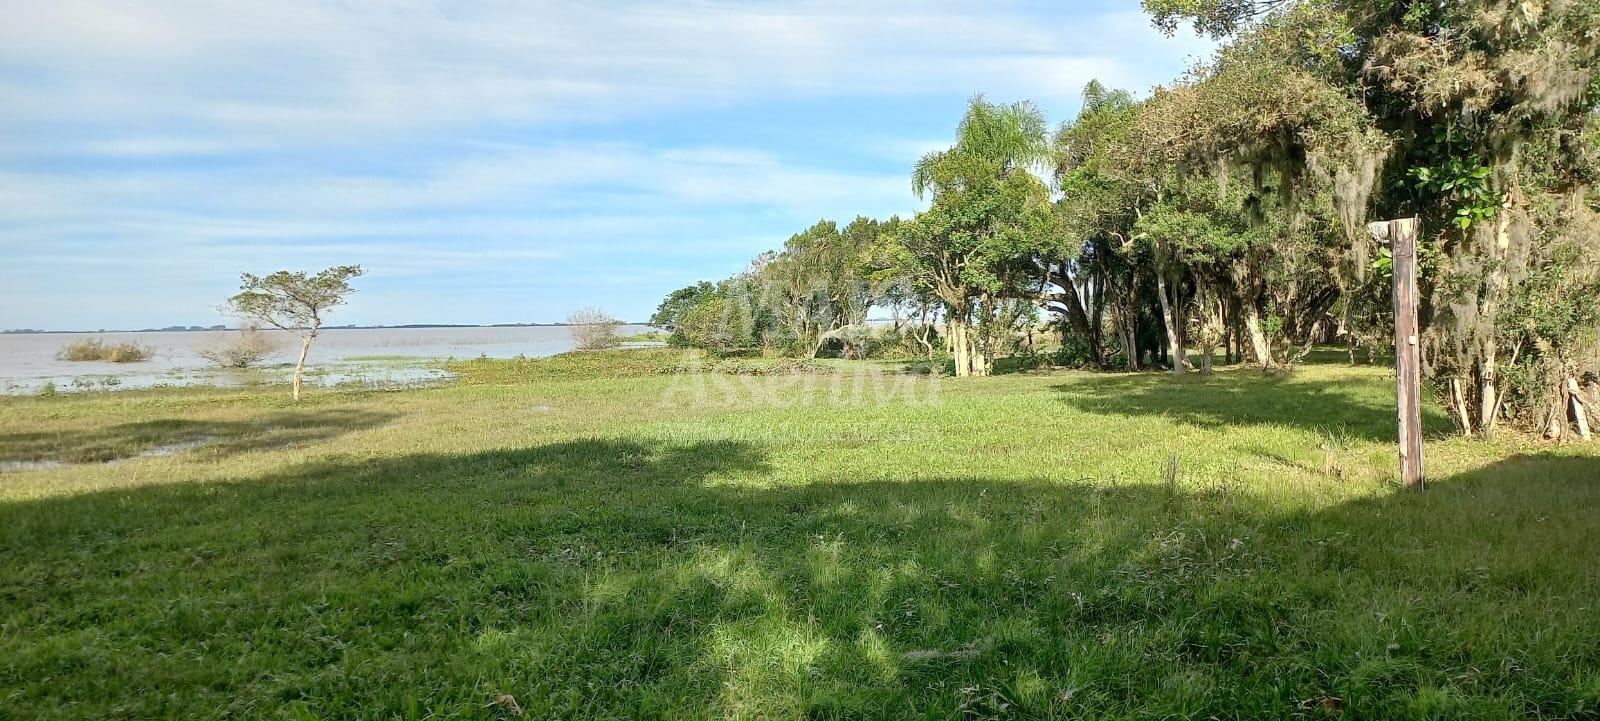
(374,356)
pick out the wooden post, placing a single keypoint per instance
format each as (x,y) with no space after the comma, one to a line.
(1402,238)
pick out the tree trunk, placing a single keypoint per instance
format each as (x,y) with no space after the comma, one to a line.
(1096,319)
(980,351)
(1077,317)
(960,346)
(300,365)
(1580,415)
(1258,337)
(1169,316)
(975,345)
(1458,407)
(1555,421)
(1489,397)
(1498,287)
(922,330)
(1213,324)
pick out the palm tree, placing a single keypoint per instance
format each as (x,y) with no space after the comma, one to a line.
(996,140)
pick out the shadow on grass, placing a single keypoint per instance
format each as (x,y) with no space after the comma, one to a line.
(616,578)
(1357,407)
(161,437)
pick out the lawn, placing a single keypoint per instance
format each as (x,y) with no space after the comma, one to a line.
(599,537)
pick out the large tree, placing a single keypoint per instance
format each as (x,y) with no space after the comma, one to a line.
(679,303)
(974,247)
(1477,116)
(1103,189)
(818,285)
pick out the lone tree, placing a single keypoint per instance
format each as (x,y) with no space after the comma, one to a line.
(294,302)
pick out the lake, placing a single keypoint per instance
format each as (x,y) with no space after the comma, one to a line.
(378,357)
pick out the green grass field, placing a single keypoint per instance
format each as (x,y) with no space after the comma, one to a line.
(595,537)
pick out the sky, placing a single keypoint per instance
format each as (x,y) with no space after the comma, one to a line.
(487,162)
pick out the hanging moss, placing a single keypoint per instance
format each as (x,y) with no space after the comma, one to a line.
(1479,114)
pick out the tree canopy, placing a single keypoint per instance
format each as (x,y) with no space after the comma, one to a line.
(1226,211)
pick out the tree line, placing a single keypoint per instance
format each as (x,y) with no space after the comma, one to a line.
(1225,214)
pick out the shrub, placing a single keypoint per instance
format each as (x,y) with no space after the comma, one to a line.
(717,323)
(593,329)
(95,349)
(907,342)
(1073,353)
(244,349)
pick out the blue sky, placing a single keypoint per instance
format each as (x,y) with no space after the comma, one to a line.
(488,162)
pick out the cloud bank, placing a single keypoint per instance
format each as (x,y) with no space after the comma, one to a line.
(489,161)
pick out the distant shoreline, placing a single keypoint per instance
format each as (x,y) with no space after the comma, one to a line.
(215,328)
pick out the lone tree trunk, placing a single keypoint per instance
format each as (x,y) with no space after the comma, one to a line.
(300,365)
(960,346)
(923,328)
(1170,308)
(1213,323)
(1580,414)
(1258,337)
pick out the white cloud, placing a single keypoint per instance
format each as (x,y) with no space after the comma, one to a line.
(229,202)
(296,71)
(151,149)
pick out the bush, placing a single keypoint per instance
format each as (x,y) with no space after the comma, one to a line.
(593,329)
(95,349)
(717,323)
(246,348)
(1073,353)
(904,343)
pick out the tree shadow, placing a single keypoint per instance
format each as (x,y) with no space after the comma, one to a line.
(1351,407)
(173,435)
(623,578)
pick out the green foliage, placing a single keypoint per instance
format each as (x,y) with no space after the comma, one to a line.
(1072,353)
(723,316)
(1191,230)
(818,285)
(677,304)
(293,300)
(1242,192)
(1217,18)
(1476,117)
(1452,176)
(1006,139)
(975,247)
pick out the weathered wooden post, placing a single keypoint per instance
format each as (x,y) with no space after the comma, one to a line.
(1401,235)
